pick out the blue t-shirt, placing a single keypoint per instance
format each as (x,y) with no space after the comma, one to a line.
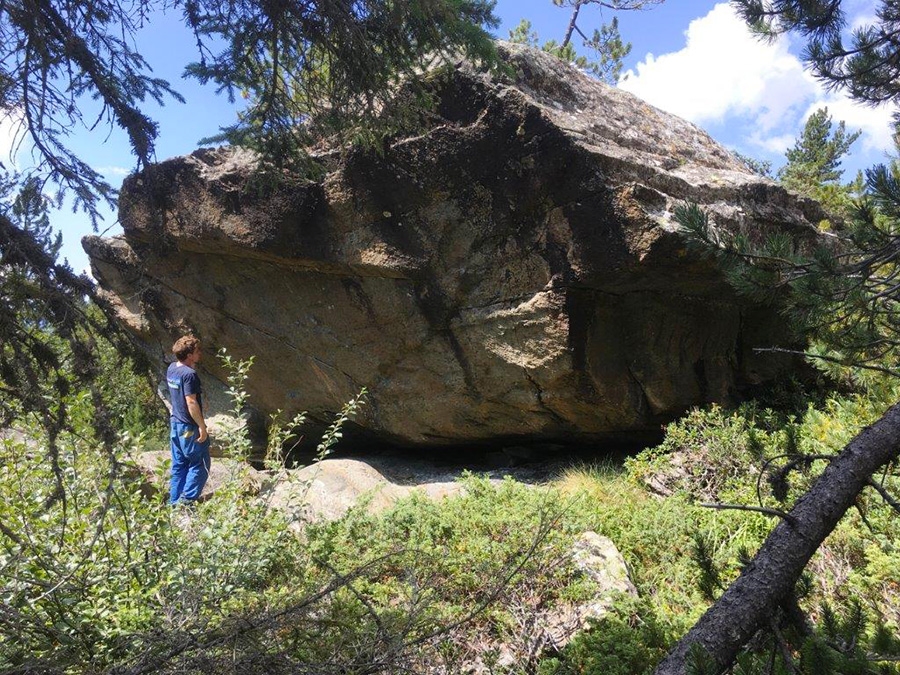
(182,381)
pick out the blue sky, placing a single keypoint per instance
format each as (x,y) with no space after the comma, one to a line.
(693,58)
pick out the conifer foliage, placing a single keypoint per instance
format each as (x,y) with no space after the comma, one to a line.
(605,42)
(47,330)
(813,164)
(843,295)
(840,295)
(865,63)
(337,62)
(337,65)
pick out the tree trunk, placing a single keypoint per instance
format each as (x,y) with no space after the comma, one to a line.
(571,27)
(770,577)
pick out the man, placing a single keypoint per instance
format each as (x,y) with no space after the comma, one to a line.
(190,441)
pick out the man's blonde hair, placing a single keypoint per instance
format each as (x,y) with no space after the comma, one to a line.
(185,346)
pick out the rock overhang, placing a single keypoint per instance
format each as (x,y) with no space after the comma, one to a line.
(515,271)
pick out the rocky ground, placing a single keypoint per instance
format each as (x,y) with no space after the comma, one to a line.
(327,489)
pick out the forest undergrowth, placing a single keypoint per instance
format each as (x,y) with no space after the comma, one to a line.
(102,577)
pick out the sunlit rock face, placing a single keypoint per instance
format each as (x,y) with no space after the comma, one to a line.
(512,272)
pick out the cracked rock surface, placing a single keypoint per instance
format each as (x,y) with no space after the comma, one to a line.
(511,273)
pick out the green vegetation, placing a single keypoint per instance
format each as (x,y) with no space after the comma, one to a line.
(839,296)
(861,61)
(604,44)
(96,575)
(628,641)
(108,577)
(682,554)
(813,164)
(331,68)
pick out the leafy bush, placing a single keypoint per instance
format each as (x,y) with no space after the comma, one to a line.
(98,576)
(704,456)
(656,536)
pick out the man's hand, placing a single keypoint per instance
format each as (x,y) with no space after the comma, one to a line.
(197,415)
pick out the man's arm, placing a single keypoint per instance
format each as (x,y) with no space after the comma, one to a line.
(196,415)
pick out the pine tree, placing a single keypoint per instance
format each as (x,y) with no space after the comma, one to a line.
(605,42)
(844,296)
(843,299)
(817,153)
(813,164)
(335,64)
(761,167)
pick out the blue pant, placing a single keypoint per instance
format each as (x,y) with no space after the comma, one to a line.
(190,463)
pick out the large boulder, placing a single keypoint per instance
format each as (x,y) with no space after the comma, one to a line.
(512,272)
(328,489)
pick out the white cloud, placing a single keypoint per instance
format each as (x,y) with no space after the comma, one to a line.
(862,20)
(777,145)
(723,70)
(112,170)
(759,90)
(860,13)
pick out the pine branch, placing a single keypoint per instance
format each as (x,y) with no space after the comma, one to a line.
(831,359)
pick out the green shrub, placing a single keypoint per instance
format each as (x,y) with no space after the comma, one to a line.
(741,458)
(507,539)
(628,641)
(95,576)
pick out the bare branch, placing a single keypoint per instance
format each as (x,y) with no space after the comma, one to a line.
(755,509)
(885,495)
